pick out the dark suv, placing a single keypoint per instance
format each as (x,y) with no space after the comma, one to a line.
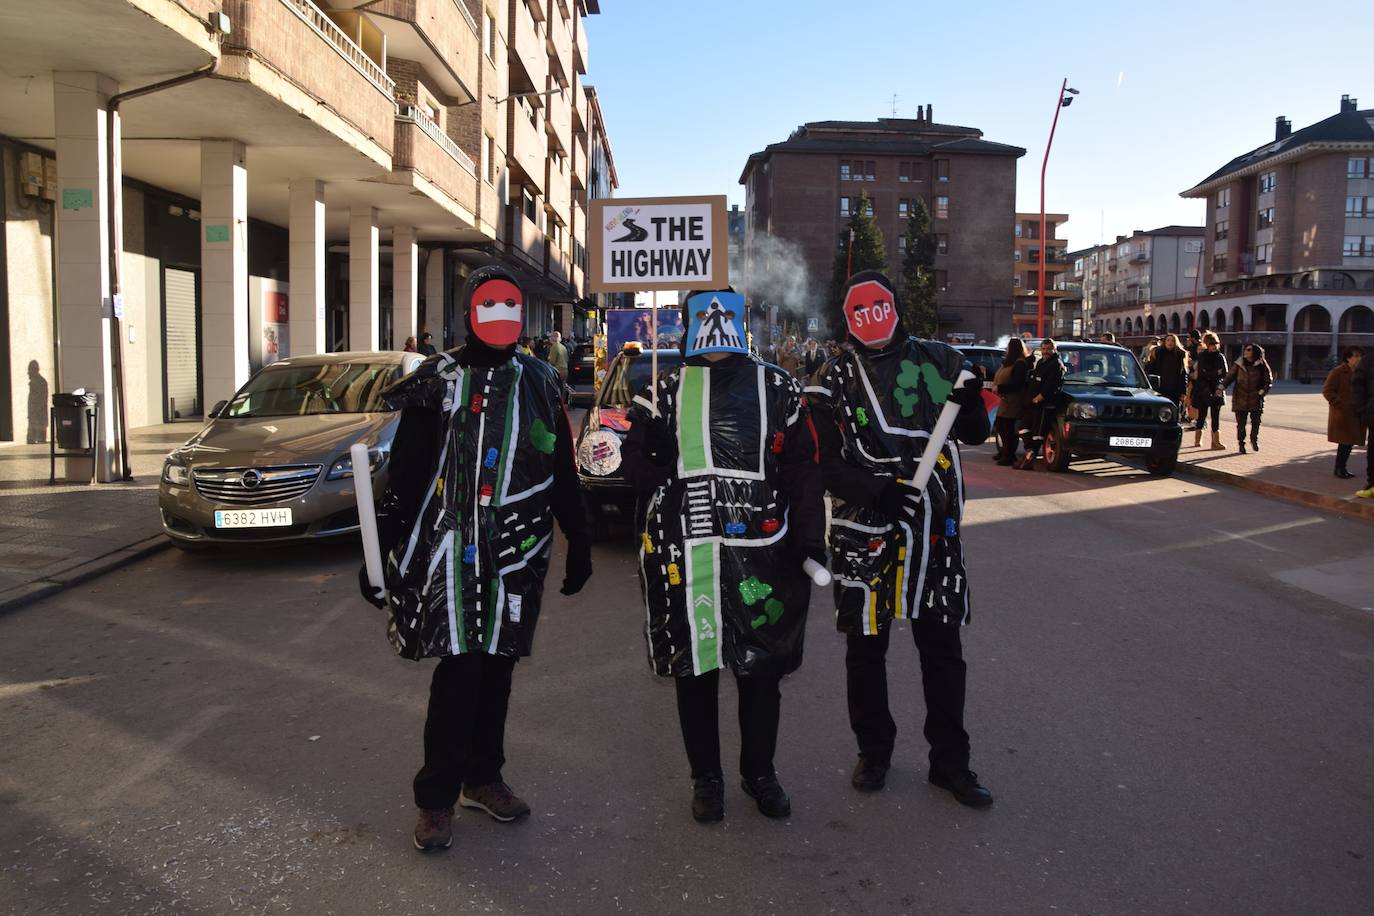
(1108,407)
(604,489)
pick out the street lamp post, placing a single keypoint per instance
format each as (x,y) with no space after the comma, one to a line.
(1064,102)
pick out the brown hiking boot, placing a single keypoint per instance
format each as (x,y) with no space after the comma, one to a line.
(434,829)
(496,799)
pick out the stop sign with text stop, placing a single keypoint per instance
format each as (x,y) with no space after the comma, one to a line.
(869,313)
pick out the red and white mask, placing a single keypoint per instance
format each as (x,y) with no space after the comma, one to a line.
(496,313)
(870,313)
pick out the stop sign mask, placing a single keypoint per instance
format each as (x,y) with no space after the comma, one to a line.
(496,313)
(870,313)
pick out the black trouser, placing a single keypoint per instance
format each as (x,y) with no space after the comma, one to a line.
(698,710)
(1254,418)
(1369,460)
(1034,425)
(1202,412)
(1006,436)
(1343,456)
(942,680)
(465,729)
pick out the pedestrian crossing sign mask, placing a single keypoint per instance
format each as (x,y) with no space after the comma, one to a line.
(715,323)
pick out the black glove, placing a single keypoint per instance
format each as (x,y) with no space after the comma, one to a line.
(901,502)
(968,395)
(660,442)
(578,568)
(371,595)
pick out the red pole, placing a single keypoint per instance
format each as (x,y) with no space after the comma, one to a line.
(1040,284)
(849,263)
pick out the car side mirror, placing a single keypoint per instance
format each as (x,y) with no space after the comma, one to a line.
(1154,382)
(217,409)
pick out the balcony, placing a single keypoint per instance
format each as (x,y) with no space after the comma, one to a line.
(526,146)
(559,266)
(579,49)
(559,41)
(528,52)
(580,112)
(423,148)
(558,191)
(558,118)
(526,241)
(309,50)
(440,34)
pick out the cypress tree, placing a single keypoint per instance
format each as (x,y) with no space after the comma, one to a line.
(918,273)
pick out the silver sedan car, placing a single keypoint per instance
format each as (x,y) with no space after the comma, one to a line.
(272,463)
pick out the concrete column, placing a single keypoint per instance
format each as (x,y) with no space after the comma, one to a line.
(405,285)
(307,267)
(80,106)
(363,288)
(433,320)
(224,269)
(1289,313)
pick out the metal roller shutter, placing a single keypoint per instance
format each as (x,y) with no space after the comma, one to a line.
(183,352)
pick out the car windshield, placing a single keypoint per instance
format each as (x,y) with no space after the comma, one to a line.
(288,391)
(1091,366)
(629,375)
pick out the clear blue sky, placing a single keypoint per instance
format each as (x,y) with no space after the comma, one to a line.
(1170,91)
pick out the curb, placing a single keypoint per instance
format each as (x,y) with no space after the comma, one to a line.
(29,592)
(1355,508)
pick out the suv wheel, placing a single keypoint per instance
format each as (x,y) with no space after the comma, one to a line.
(1161,465)
(1056,454)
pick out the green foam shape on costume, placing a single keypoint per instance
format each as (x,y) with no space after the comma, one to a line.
(753,591)
(862,416)
(528,542)
(541,437)
(909,381)
(772,613)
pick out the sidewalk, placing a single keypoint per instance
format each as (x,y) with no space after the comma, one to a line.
(1291,464)
(52,537)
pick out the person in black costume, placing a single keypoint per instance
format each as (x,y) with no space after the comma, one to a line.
(897,552)
(1042,387)
(481,465)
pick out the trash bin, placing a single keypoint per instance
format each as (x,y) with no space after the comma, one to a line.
(72,416)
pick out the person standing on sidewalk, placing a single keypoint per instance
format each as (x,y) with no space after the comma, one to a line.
(724,450)
(1170,362)
(1209,371)
(1009,383)
(1252,379)
(558,356)
(1362,396)
(1343,425)
(1045,379)
(897,551)
(481,466)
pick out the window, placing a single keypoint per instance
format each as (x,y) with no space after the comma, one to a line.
(1369,246)
(1016,255)
(904,171)
(904,207)
(868,210)
(941,243)
(1266,218)
(1033,255)
(1219,263)
(1357,168)
(1267,182)
(1223,229)
(844,207)
(870,170)
(1264,254)
(489,35)
(901,243)
(1354,206)
(1352,246)
(1223,198)
(942,170)
(1018,230)
(844,170)
(942,208)
(941,281)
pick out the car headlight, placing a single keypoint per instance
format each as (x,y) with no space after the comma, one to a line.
(1083,411)
(376,457)
(1166,414)
(175,474)
(599,452)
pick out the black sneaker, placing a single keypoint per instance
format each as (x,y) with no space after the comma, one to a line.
(963,785)
(870,775)
(708,799)
(434,829)
(496,799)
(768,794)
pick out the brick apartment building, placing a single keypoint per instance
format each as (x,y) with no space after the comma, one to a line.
(324,177)
(1289,243)
(1027,250)
(803,189)
(1140,285)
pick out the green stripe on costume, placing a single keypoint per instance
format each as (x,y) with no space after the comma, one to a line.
(703,595)
(691,408)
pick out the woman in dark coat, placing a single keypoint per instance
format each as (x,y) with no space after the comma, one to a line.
(1169,361)
(1208,374)
(1009,383)
(1343,425)
(1253,378)
(1045,379)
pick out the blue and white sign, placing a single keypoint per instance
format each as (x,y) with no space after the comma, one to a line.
(813,324)
(715,323)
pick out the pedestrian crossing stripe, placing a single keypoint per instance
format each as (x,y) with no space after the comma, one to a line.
(703,604)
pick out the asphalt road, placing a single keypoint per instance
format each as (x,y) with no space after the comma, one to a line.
(1169,694)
